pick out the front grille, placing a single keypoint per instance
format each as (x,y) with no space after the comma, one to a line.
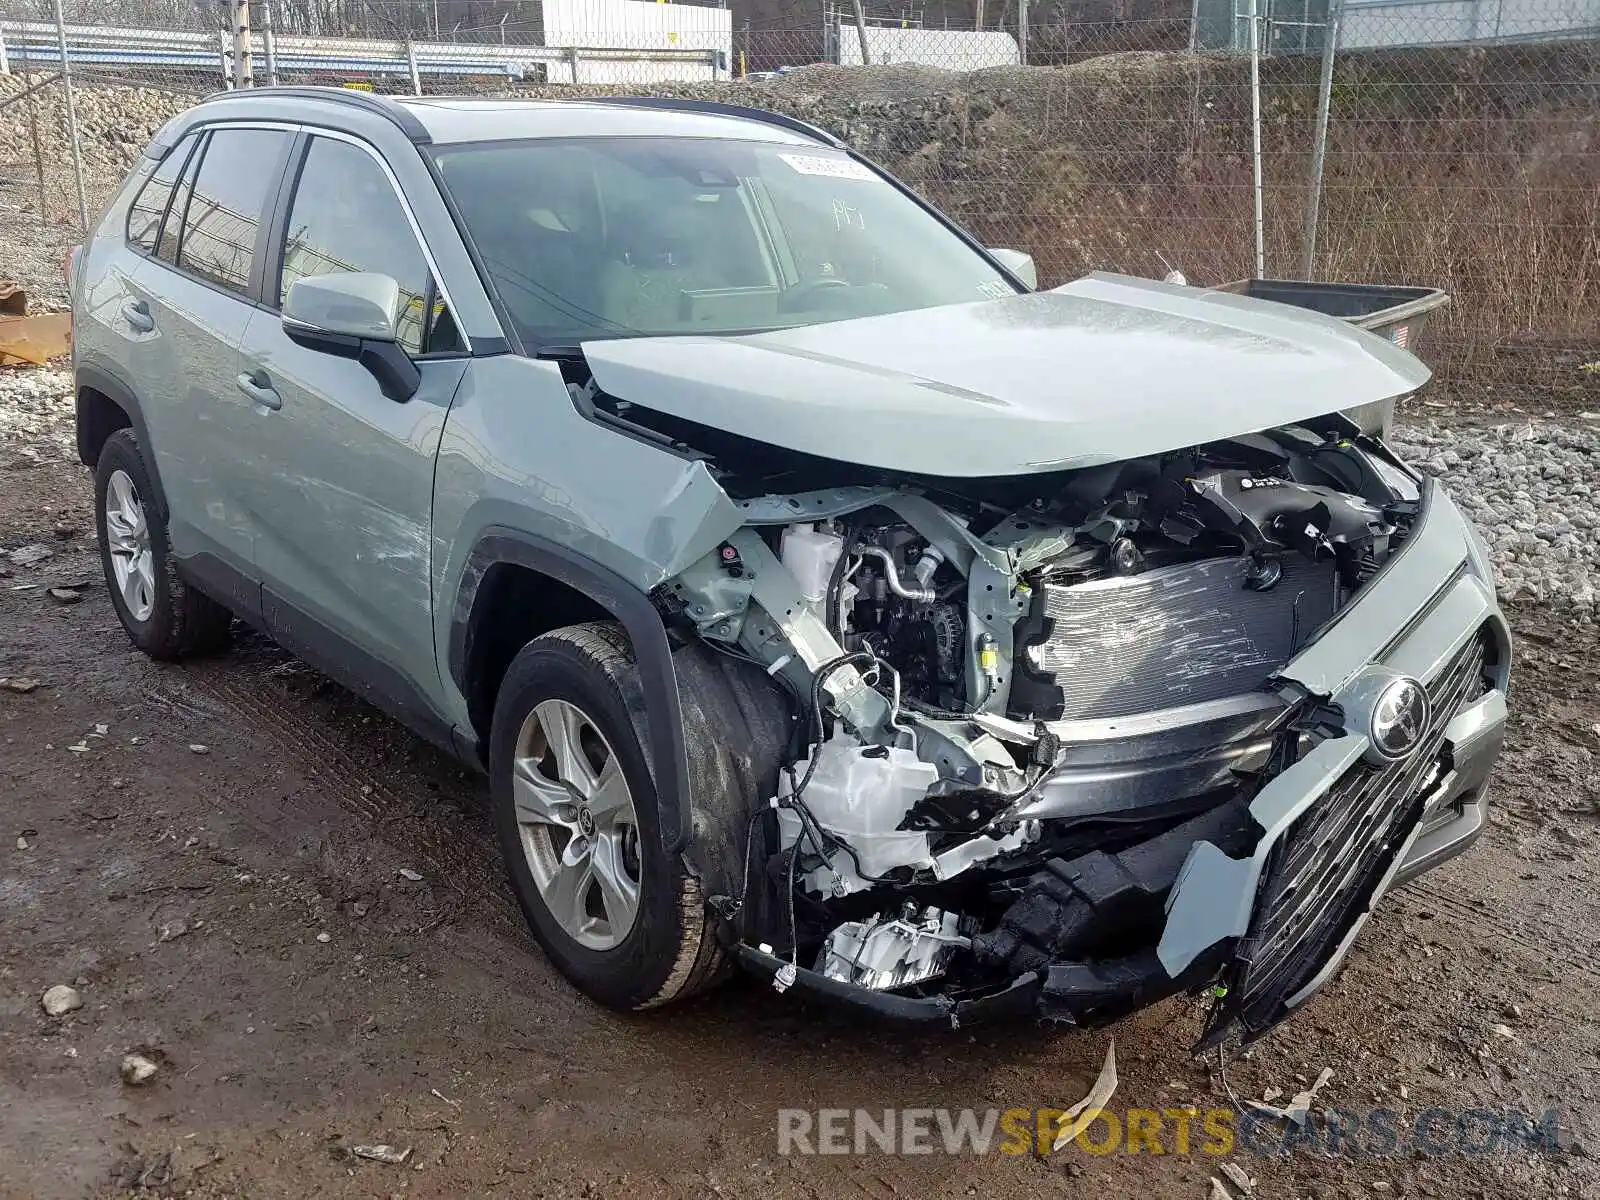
(1324,870)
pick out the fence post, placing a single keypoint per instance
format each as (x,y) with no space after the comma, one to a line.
(5,63)
(244,75)
(33,134)
(861,32)
(411,61)
(269,42)
(72,119)
(1319,146)
(1255,138)
(225,57)
(1022,31)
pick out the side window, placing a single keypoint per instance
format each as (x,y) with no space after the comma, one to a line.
(172,228)
(345,216)
(238,171)
(150,205)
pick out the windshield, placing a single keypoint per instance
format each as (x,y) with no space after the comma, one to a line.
(618,237)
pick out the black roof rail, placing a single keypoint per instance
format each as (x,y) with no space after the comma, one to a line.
(382,106)
(718,109)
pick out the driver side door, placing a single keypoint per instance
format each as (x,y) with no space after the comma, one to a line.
(344,500)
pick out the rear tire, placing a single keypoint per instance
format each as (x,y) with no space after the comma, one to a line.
(162,614)
(572,792)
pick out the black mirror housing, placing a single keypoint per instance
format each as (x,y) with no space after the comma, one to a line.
(397,376)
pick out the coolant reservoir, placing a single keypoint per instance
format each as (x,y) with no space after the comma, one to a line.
(860,793)
(810,556)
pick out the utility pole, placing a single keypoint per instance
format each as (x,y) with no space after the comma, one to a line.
(861,32)
(243,72)
(1255,137)
(269,41)
(1022,31)
(1319,146)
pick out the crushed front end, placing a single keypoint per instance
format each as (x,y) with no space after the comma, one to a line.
(1065,744)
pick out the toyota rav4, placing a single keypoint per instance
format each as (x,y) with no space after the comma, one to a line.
(817,594)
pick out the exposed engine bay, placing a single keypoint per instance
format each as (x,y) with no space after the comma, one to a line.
(1013,705)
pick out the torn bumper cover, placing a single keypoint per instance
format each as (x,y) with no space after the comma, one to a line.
(1344,825)
(1260,897)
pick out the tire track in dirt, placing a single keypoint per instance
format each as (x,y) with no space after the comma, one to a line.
(443,834)
(393,802)
(1487,921)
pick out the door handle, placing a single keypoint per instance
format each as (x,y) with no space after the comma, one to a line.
(252,385)
(137,314)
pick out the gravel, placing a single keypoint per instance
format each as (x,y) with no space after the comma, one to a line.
(1532,488)
(114,125)
(36,417)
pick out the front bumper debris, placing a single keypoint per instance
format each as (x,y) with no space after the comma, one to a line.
(1018,998)
(1260,900)
(1337,834)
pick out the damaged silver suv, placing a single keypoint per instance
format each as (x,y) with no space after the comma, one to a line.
(816,594)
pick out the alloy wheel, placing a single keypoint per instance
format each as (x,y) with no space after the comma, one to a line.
(578,827)
(128,540)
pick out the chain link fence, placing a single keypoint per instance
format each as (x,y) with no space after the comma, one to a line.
(1447,143)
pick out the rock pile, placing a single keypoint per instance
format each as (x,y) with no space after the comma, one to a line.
(1534,492)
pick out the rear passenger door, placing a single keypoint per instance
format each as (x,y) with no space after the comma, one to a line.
(345,508)
(193,296)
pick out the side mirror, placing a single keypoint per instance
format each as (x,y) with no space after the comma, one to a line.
(1019,264)
(353,315)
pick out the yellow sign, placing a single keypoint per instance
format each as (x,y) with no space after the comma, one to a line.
(358,87)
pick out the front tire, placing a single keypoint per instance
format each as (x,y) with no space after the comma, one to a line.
(162,614)
(576,816)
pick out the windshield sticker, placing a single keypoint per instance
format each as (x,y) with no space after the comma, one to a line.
(827,165)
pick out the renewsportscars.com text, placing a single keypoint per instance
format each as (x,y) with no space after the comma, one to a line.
(1214,1132)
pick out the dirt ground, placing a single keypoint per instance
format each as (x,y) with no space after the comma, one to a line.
(219,856)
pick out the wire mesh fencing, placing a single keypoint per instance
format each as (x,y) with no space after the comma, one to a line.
(1459,152)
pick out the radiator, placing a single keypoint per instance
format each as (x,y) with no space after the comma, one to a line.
(1170,636)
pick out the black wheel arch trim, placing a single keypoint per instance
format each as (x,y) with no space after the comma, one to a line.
(88,377)
(652,652)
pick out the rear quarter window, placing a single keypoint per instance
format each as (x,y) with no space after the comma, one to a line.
(149,207)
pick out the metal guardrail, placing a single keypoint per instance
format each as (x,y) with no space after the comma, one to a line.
(107,45)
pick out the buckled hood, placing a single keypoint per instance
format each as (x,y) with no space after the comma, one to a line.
(1104,369)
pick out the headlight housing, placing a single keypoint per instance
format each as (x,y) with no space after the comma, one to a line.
(1478,553)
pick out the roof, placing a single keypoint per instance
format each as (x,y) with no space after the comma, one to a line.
(444,120)
(450,119)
